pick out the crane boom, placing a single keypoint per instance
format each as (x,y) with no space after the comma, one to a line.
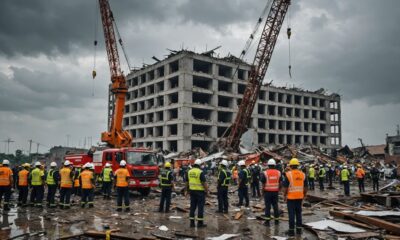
(115,136)
(259,68)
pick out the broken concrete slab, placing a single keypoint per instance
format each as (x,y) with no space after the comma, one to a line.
(337,226)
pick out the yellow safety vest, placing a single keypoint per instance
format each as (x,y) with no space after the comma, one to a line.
(106,174)
(65,175)
(36,177)
(227,178)
(194,180)
(50,177)
(322,173)
(344,175)
(164,180)
(311,173)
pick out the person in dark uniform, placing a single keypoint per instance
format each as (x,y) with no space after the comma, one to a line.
(224,178)
(375,177)
(244,179)
(321,177)
(198,188)
(166,184)
(52,181)
(255,180)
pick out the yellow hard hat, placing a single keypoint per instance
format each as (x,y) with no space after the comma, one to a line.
(358,165)
(294,162)
(167,165)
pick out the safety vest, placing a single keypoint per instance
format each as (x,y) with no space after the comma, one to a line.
(311,173)
(5,173)
(227,178)
(247,177)
(322,173)
(106,174)
(36,177)
(23,178)
(296,184)
(50,177)
(122,174)
(195,183)
(76,177)
(86,178)
(272,177)
(360,173)
(65,175)
(344,175)
(164,180)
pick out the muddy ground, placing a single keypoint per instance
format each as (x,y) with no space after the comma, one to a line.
(144,220)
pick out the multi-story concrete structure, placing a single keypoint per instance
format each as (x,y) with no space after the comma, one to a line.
(188,100)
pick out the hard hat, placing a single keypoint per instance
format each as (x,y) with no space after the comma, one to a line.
(38,164)
(224,157)
(197,162)
(358,165)
(91,166)
(253,162)
(27,165)
(294,162)
(67,163)
(167,165)
(6,162)
(224,162)
(321,165)
(241,163)
(122,163)
(271,162)
(85,165)
(53,164)
(108,165)
(344,166)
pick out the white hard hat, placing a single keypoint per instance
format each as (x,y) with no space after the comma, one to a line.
(241,163)
(197,162)
(122,163)
(6,162)
(108,165)
(321,165)
(67,163)
(53,164)
(37,164)
(271,162)
(224,162)
(91,166)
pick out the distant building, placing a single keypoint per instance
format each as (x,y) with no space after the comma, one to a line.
(393,148)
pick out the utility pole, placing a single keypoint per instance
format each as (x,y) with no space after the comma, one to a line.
(37,148)
(8,144)
(30,149)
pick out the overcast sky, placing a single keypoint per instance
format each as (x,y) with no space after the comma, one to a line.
(46,59)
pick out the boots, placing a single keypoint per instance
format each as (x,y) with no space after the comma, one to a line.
(192,224)
(201,224)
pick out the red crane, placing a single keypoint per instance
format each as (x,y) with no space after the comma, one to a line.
(259,68)
(115,136)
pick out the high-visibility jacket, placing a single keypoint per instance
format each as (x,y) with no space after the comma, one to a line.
(36,177)
(311,173)
(296,184)
(272,177)
(50,177)
(164,178)
(195,183)
(344,175)
(76,177)
(106,174)
(360,173)
(5,173)
(86,177)
(23,178)
(247,178)
(227,178)
(322,173)
(65,175)
(122,174)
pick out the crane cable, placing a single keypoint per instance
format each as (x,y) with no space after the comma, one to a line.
(94,73)
(289,34)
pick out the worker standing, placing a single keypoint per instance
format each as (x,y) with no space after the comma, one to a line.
(311,177)
(22,184)
(107,176)
(360,174)
(271,182)
(166,184)
(66,183)
(76,190)
(331,174)
(52,181)
(244,179)
(36,178)
(375,177)
(295,190)
(255,179)
(321,177)
(345,178)
(198,189)
(224,178)
(86,181)
(121,182)
(6,183)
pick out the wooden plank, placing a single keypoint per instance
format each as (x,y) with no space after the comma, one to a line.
(97,234)
(238,215)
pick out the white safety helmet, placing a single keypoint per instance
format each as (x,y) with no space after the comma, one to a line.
(6,162)
(241,163)
(224,162)
(53,164)
(108,165)
(91,166)
(38,164)
(85,165)
(67,163)
(271,162)
(122,163)
(197,162)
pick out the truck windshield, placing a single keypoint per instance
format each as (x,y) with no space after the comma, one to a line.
(141,158)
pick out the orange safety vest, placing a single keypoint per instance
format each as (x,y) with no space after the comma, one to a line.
(360,173)
(86,178)
(5,173)
(76,180)
(296,184)
(65,175)
(272,177)
(122,174)
(23,178)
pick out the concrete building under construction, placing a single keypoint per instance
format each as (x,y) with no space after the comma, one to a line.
(188,100)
